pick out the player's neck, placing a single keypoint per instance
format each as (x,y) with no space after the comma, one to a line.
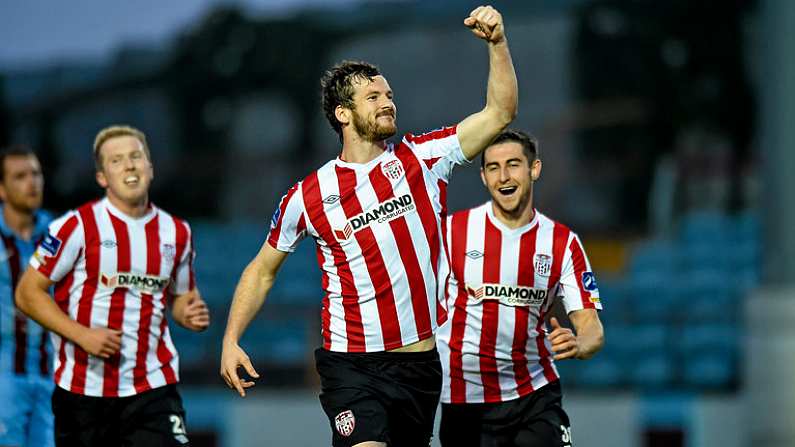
(132,209)
(18,221)
(518,218)
(357,150)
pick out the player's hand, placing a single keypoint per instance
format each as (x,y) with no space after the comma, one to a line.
(195,315)
(564,342)
(232,358)
(486,23)
(100,342)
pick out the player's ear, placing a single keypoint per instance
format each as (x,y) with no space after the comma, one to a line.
(101,180)
(483,177)
(342,114)
(535,169)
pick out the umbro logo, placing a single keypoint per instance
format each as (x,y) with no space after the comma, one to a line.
(331,199)
(474,254)
(108,243)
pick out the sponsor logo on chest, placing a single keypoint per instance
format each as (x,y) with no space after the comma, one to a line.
(143,283)
(383,212)
(509,295)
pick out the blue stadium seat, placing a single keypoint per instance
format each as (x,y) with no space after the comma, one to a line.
(710,371)
(282,341)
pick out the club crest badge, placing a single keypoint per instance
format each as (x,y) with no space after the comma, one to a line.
(393,170)
(542,264)
(345,423)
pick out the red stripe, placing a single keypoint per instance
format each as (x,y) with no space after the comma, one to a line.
(20,321)
(408,256)
(429,162)
(458,259)
(441,311)
(559,239)
(382,283)
(110,381)
(151,229)
(437,134)
(526,278)
(313,204)
(325,314)
(85,304)
(61,295)
(492,251)
(273,237)
(181,239)
(422,199)
(578,260)
(164,355)
(64,233)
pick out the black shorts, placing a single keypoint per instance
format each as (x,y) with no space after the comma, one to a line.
(536,420)
(154,418)
(389,397)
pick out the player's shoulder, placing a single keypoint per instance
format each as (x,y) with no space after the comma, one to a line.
(474,212)
(166,215)
(544,221)
(431,135)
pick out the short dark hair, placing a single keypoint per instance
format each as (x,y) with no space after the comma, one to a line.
(337,87)
(17,150)
(528,142)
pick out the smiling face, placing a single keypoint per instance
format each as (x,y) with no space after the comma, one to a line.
(373,114)
(125,171)
(509,177)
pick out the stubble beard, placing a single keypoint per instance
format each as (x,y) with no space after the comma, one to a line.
(370,130)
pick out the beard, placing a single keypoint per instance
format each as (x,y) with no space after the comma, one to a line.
(371,130)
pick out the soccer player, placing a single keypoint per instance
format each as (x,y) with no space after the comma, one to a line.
(376,214)
(25,353)
(509,263)
(116,264)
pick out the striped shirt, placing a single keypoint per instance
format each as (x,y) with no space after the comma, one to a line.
(24,345)
(112,270)
(503,283)
(378,229)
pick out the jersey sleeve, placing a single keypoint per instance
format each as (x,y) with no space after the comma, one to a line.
(288,224)
(184,279)
(439,149)
(578,287)
(59,251)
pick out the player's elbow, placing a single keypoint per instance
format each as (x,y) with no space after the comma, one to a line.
(21,296)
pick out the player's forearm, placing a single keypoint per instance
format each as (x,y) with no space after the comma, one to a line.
(38,305)
(590,339)
(249,297)
(502,94)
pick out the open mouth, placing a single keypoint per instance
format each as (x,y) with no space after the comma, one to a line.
(131,180)
(507,190)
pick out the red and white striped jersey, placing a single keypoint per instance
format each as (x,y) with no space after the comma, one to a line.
(494,347)
(115,271)
(378,229)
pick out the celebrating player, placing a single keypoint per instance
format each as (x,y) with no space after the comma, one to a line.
(509,263)
(25,351)
(116,264)
(376,214)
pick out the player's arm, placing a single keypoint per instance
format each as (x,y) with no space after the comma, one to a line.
(479,129)
(587,341)
(190,311)
(32,297)
(255,282)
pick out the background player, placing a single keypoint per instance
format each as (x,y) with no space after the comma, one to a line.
(509,263)
(116,264)
(376,213)
(25,351)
